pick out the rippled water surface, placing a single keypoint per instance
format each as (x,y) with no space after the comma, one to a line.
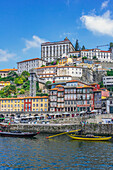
(57,153)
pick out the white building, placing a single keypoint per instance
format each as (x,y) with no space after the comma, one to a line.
(27,65)
(74,53)
(103,56)
(51,51)
(59,73)
(108,80)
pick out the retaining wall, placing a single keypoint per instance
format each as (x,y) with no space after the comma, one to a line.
(102,129)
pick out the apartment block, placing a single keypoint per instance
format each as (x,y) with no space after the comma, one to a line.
(26,104)
(59,73)
(27,65)
(12,104)
(73,96)
(37,103)
(51,51)
(108,81)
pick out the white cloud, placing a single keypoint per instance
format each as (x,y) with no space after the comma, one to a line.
(5,56)
(104,4)
(99,24)
(34,43)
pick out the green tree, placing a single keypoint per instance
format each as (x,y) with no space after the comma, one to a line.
(26,74)
(110,73)
(101,84)
(48,82)
(77,46)
(52,62)
(84,58)
(43,66)
(22,91)
(12,74)
(19,81)
(110,45)
(83,47)
(94,57)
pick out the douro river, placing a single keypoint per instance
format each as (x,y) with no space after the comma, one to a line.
(58,153)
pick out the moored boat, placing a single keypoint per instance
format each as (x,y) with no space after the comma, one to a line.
(89,137)
(18,134)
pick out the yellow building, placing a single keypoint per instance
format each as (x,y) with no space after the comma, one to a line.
(38,103)
(11,104)
(65,60)
(4,83)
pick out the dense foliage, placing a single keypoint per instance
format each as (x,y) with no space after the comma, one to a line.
(110,73)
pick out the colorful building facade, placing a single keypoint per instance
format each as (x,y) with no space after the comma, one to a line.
(74,96)
(26,104)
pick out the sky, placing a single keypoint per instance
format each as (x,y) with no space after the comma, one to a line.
(25,24)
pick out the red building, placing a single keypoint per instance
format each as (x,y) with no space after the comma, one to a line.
(27,104)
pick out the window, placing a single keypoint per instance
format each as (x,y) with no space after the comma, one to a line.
(36,105)
(41,105)
(33,100)
(41,100)
(45,109)
(45,100)
(37,100)
(45,104)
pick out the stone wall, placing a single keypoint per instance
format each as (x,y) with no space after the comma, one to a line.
(101,129)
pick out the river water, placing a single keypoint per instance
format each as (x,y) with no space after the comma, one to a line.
(58,153)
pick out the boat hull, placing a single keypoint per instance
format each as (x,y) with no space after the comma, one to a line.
(22,134)
(85,138)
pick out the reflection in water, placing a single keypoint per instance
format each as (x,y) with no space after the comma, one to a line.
(59,153)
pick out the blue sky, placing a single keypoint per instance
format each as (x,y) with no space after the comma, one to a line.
(25,24)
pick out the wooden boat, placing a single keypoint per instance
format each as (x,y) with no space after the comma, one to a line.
(18,134)
(89,137)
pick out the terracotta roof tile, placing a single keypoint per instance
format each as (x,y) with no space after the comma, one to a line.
(30,60)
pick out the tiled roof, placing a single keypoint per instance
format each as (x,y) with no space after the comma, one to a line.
(106,51)
(65,40)
(4,81)
(46,67)
(64,76)
(13,69)
(47,74)
(12,98)
(47,77)
(54,89)
(72,81)
(59,86)
(39,97)
(29,60)
(29,97)
(74,52)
